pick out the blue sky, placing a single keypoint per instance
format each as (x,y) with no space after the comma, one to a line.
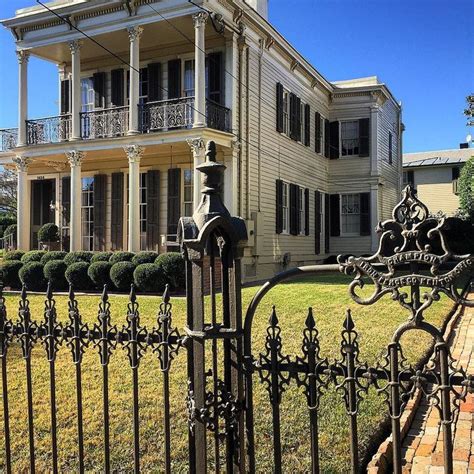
(420,48)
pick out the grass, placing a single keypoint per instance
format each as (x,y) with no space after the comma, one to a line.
(329,300)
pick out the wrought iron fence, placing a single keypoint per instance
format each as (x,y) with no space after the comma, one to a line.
(104,123)
(218,116)
(8,138)
(48,130)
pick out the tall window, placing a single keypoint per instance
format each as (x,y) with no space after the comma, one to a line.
(188,186)
(87,212)
(286,112)
(286,209)
(350,138)
(87,94)
(142,87)
(350,214)
(188,84)
(143,209)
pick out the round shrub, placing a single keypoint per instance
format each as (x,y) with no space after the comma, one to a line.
(31,274)
(149,277)
(174,268)
(48,233)
(76,257)
(9,273)
(33,256)
(54,271)
(99,273)
(101,257)
(53,255)
(76,275)
(10,230)
(144,257)
(13,255)
(121,257)
(121,275)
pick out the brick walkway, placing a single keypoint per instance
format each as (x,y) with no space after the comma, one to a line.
(423,445)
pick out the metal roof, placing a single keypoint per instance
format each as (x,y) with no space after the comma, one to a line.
(437,158)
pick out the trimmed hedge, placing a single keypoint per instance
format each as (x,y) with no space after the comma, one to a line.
(149,277)
(48,233)
(13,255)
(144,257)
(33,256)
(9,274)
(121,275)
(99,273)
(101,257)
(31,274)
(53,255)
(121,257)
(174,268)
(54,271)
(76,257)
(76,275)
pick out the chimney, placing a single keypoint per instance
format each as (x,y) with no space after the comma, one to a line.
(261,6)
(463,145)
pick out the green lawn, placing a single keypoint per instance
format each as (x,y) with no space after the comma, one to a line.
(328,298)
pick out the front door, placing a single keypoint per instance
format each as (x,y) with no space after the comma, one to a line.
(43,193)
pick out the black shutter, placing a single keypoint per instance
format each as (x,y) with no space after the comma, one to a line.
(116,218)
(174,200)
(174,79)
(293,117)
(411,177)
(153,210)
(334,140)
(155,88)
(116,87)
(100,190)
(298,119)
(326,138)
(327,223)
(317,134)
(279,207)
(307,124)
(390,147)
(294,217)
(364,133)
(279,107)
(306,211)
(317,222)
(364,213)
(66,200)
(334,215)
(65,105)
(98,80)
(215,77)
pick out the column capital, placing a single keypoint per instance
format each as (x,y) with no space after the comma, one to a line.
(199,19)
(21,163)
(75,46)
(134,32)
(197,145)
(23,55)
(134,153)
(75,158)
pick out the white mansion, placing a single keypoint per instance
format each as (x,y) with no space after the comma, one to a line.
(311,165)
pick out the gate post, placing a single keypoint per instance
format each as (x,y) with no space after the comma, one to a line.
(212,244)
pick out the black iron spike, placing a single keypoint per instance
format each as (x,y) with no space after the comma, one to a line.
(133,294)
(273,318)
(349,322)
(310,322)
(49,291)
(166,294)
(105,296)
(23,292)
(71,293)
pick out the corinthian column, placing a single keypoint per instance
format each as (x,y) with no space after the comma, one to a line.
(75,47)
(200,69)
(23,206)
(75,229)
(23,57)
(134,34)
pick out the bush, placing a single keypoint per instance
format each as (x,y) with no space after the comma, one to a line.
(48,233)
(121,257)
(466,188)
(33,256)
(10,230)
(14,255)
(149,277)
(54,271)
(144,257)
(9,273)
(99,273)
(76,275)
(121,275)
(31,274)
(76,257)
(101,257)
(174,268)
(53,255)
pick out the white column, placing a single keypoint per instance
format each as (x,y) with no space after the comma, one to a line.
(199,150)
(75,47)
(23,204)
(374,216)
(231,81)
(231,182)
(23,57)
(200,69)
(134,33)
(75,228)
(134,155)
(374,141)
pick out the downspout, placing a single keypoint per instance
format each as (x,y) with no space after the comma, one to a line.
(260,54)
(247,132)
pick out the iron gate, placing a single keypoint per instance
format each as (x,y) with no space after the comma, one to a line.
(413,264)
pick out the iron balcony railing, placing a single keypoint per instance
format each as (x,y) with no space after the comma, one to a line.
(218,116)
(8,138)
(104,123)
(48,129)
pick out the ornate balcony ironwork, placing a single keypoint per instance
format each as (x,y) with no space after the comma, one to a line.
(8,138)
(218,116)
(104,123)
(48,129)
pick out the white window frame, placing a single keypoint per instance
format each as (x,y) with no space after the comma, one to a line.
(348,234)
(285,208)
(341,139)
(302,210)
(89,104)
(87,215)
(187,92)
(185,185)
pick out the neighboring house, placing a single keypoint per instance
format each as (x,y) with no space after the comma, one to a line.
(312,165)
(435,175)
